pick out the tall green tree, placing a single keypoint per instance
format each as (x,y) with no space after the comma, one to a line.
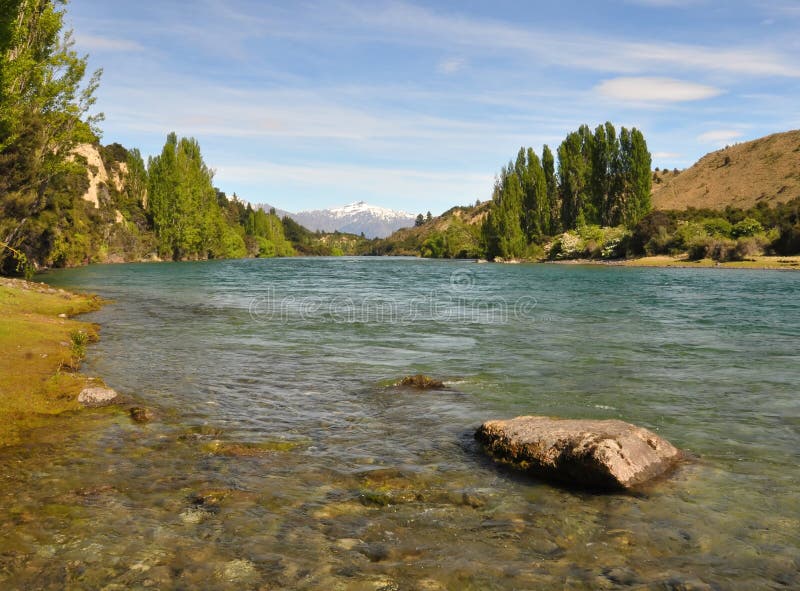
(535,207)
(502,230)
(604,185)
(43,109)
(574,175)
(551,187)
(637,178)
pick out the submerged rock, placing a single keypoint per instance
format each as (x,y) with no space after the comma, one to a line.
(422,382)
(140,414)
(97,396)
(608,454)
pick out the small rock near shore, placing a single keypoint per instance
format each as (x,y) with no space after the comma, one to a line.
(140,414)
(597,454)
(422,382)
(97,396)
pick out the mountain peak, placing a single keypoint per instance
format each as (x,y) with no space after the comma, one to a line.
(357,217)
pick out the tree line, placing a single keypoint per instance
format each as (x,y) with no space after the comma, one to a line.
(167,207)
(601,178)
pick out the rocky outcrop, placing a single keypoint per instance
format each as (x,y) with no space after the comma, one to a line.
(95,170)
(599,454)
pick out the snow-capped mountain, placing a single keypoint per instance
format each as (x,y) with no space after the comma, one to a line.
(355,218)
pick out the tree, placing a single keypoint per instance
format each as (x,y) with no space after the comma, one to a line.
(551,187)
(574,173)
(419,221)
(636,182)
(502,231)
(428,217)
(535,208)
(184,206)
(43,109)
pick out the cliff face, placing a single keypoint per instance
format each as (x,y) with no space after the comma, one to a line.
(99,178)
(766,170)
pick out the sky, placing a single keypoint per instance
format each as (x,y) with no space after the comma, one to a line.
(416,106)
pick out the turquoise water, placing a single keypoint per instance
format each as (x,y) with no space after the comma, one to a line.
(351,483)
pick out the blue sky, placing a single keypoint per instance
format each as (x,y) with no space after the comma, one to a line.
(415,105)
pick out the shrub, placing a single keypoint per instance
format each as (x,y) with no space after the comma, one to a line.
(747,227)
(652,234)
(788,242)
(689,235)
(718,227)
(748,246)
(566,246)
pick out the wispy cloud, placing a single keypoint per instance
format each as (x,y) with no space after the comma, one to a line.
(410,24)
(655,90)
(451,65)
(99,43)
(719,137)
(419,189)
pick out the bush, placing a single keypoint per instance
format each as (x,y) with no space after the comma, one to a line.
(747,227)
(689,236)
(566,246)
(652,234)
(698,248)
(718,227)
(788,242)
(748,246)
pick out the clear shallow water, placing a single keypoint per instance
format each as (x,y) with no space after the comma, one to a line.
(360,485)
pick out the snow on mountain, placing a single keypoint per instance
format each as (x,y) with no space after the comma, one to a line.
(354,218)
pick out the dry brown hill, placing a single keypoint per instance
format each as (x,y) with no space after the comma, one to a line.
(763,170)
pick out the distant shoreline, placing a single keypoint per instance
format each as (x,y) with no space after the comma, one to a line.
(781,263)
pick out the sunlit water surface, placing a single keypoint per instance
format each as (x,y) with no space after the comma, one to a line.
(349,483)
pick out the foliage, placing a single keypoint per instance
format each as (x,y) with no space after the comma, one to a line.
(603,179)
(590,241)
(747,227)
(43,112)
(184,206)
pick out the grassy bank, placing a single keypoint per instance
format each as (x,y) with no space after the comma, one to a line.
(41,350)
(755,262)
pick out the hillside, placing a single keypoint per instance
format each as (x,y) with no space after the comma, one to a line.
(766,170)
(455,233)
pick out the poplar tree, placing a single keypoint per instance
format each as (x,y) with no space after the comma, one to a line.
(574,175)
(551,187)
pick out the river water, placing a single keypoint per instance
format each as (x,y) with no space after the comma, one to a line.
(282,456)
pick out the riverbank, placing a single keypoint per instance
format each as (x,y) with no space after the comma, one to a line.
(42,348)
(791,263)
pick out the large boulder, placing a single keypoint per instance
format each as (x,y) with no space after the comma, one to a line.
(596,454)
(94,396)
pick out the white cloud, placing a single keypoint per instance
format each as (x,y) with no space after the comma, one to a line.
(719,137)
(415,188)
(409,24)
(451,66)
(657,90)
(99,43)
(666,155)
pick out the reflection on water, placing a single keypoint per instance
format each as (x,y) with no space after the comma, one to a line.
(281,457)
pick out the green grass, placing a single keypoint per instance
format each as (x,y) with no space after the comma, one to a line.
(41,352)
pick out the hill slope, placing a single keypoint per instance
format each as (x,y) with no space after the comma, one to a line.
(455,233)
(764,170)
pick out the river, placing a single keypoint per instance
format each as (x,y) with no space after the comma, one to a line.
(282,456)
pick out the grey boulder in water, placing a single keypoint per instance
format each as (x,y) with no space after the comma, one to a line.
(97,396)
(598,454)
